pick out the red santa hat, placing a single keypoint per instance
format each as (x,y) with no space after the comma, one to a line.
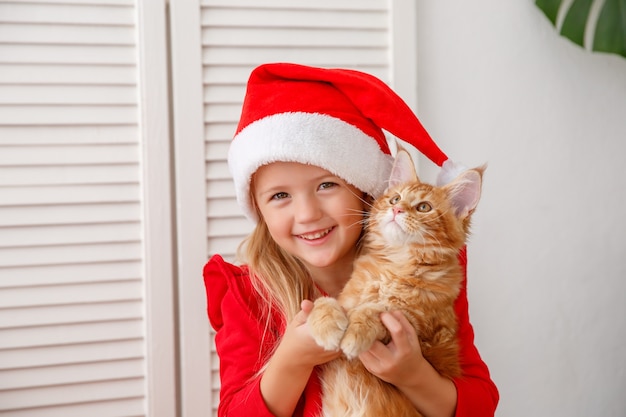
(331,118)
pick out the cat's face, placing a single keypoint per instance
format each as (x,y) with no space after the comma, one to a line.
(413,213)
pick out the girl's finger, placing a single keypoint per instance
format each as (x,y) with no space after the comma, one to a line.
(391,322)
(406,325)
(306,305)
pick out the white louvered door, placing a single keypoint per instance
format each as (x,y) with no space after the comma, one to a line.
(213,61)
(74,336)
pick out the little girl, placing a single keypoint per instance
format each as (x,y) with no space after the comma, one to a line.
(308,155)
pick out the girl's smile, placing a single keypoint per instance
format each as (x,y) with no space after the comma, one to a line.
(315,236)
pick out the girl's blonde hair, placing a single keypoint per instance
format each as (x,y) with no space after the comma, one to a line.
(280,279)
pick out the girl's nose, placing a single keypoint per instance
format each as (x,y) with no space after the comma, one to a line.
(308,209)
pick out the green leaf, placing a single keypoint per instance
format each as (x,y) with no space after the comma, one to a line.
(610,33)
(576,20)
(550,8)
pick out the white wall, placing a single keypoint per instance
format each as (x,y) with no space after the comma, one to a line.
(548,255)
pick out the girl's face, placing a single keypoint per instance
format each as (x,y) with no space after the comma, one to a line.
(310,213)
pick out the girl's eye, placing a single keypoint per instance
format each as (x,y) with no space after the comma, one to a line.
(326,185)
(280,196)
(423,207)
(394,199)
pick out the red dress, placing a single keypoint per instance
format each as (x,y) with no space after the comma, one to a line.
(235,315)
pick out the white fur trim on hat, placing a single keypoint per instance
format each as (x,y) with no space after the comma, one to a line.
(449,171)
(308,138)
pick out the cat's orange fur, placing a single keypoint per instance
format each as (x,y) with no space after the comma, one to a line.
(409,263)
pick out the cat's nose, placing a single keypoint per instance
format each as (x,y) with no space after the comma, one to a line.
(397,209)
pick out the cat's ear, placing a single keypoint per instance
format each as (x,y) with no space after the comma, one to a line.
(403,169)
(464,191)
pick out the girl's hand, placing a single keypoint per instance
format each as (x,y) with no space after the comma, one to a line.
(291,365)
(402,364)
(298,343)
(400,361)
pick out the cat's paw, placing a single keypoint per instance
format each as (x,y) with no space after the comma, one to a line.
(356,340)
(327,323)
(364,329)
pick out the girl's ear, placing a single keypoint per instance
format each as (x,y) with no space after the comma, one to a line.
(464,191)
(403,170)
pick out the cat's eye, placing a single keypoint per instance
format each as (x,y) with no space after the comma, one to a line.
(423,207)
(394,199)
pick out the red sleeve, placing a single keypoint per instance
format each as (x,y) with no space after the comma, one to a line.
(477,394)
(233,313)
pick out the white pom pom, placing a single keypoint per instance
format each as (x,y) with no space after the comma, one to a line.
(449,171)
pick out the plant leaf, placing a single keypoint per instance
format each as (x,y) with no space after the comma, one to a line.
(576,20)
(550,8)
(610,33)
(610,28)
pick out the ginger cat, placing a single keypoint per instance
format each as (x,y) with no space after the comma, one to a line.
(409,263)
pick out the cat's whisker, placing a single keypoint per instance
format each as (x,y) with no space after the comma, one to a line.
(362,212)
(367,202)
(439,216)
(361,219)
(361,216)
(362,222)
